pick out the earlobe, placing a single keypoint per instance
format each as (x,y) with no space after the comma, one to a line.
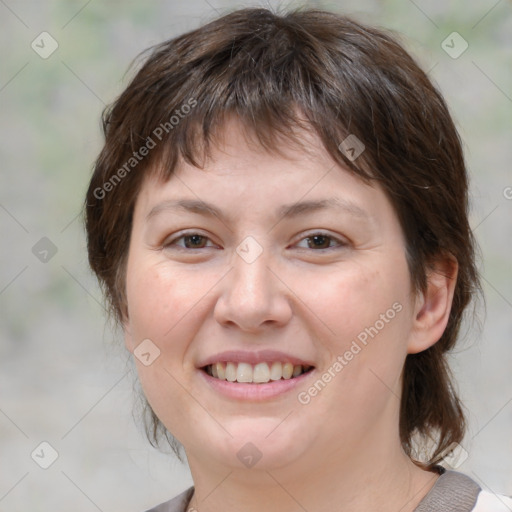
(433,306)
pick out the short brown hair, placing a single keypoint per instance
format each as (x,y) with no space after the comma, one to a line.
(327,73)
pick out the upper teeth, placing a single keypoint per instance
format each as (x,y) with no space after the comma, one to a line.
(261,372)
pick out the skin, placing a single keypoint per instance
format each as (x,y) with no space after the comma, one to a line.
(343,446)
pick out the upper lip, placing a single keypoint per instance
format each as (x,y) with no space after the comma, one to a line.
(253,357)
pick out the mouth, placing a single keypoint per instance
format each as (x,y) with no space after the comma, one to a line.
(260,373)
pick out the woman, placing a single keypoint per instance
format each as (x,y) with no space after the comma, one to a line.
(279,221)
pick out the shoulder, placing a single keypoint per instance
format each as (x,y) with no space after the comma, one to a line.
(485,501)
(454,491)
(177,504)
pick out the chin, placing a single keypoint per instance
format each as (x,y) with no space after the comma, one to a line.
(256,443)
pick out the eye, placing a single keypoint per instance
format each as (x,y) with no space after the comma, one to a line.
(189,241)
(321,241)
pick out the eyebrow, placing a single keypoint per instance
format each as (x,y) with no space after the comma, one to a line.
(285,211)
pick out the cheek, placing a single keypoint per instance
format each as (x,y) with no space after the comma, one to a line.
(366,309)
(352,301)
(163,306)
(159,297)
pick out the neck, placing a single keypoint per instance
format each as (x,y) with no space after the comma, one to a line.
(378,478)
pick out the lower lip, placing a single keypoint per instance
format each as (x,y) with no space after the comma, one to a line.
(254,392)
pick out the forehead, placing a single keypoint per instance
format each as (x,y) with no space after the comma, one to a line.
(233,149)
(234,157)
(240,180)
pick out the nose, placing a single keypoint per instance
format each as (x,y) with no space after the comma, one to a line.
(253,297)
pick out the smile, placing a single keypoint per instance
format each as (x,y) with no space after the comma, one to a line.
(259,373)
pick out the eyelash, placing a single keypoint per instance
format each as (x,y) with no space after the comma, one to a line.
(340,243)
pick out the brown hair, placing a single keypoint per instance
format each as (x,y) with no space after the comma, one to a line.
(327,73)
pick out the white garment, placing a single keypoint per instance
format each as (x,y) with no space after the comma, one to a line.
(489,502)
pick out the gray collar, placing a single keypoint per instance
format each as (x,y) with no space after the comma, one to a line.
(452,492)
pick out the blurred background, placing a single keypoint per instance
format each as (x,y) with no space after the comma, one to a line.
(65,378)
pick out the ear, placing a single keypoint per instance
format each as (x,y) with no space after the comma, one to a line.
(432,307)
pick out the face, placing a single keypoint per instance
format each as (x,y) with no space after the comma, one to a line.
(276,298)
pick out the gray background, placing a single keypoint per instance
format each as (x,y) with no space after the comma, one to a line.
(64,375)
